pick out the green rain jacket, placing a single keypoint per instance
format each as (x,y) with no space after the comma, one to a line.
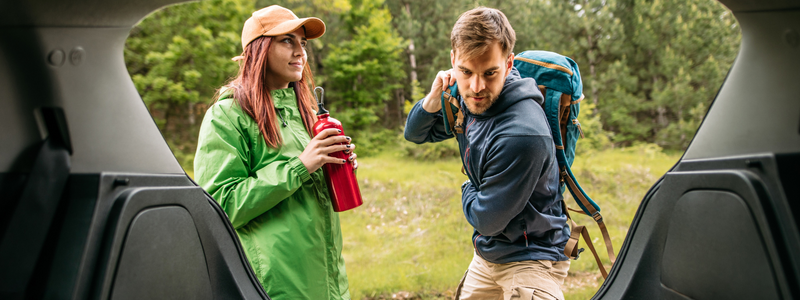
(283,214)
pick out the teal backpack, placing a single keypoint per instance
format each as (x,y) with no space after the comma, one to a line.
(559,80)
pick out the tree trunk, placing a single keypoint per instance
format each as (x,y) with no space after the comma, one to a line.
(592,60)
(411,59)
(191,112)
(398,94)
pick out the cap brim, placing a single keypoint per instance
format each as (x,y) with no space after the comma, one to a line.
(314,27)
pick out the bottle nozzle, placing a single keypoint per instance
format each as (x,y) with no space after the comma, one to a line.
(319,93)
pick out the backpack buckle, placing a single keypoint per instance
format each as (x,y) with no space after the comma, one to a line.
(597,217)
(578,255)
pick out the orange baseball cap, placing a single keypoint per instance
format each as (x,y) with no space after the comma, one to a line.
(276,20)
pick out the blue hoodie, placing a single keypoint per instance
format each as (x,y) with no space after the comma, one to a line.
(512,197)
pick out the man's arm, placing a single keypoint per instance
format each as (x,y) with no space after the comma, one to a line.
(424,122)
(513,167)
(424,127)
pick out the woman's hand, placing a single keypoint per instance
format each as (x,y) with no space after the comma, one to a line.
(353,155)
(327,141)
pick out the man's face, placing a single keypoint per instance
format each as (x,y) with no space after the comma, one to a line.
(480,79)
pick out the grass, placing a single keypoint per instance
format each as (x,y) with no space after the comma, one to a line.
(617,180)
(410,239)
(410,235)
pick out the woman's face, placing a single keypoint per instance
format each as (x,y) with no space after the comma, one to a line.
(286,59)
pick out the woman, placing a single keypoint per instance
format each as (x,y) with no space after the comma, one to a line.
(256,156)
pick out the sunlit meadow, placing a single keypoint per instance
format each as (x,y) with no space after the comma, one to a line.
(410,239)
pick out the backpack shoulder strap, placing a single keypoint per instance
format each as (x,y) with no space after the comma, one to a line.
(453,117)
(588,209)
(572,250)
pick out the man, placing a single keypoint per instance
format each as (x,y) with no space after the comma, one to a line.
(511,197)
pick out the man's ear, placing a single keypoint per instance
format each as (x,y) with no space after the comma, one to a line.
(452,58)
(509,63)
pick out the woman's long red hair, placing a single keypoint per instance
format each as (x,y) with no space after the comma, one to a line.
(253,95)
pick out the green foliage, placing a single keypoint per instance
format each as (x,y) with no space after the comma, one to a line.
(376,141)
(594,137)
(645,64)
(179,56)
(676,56)
(427,24)
(650,67)
(446,149)
(366,70)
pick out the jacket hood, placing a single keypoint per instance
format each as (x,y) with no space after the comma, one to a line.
(515,89)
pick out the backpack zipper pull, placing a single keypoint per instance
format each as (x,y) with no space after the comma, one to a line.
(576,122)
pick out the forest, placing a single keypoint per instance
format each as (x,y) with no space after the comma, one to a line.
(650,68)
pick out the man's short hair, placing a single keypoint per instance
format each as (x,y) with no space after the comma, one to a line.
(478,28)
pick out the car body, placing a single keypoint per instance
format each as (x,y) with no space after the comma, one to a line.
(95,206)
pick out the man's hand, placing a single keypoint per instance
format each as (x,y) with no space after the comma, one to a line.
(433,101)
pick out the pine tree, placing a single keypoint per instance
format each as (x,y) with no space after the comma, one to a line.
(365,72)
(179,56)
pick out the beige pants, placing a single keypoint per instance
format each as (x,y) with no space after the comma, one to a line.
(532,279)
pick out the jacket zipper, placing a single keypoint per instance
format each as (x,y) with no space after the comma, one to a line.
(525,232)
(280,115)
(466,161)
(466,153)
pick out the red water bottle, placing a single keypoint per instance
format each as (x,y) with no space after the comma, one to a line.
(341,178)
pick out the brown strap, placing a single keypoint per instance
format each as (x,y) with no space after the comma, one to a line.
(578,123)
(572,247)
(563,116)
(566,210)
(448,111)
(580,197)
(598,218)
(577,211)
(545,64)
(565,100)
(458,125)
(607,241)
(577,101)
